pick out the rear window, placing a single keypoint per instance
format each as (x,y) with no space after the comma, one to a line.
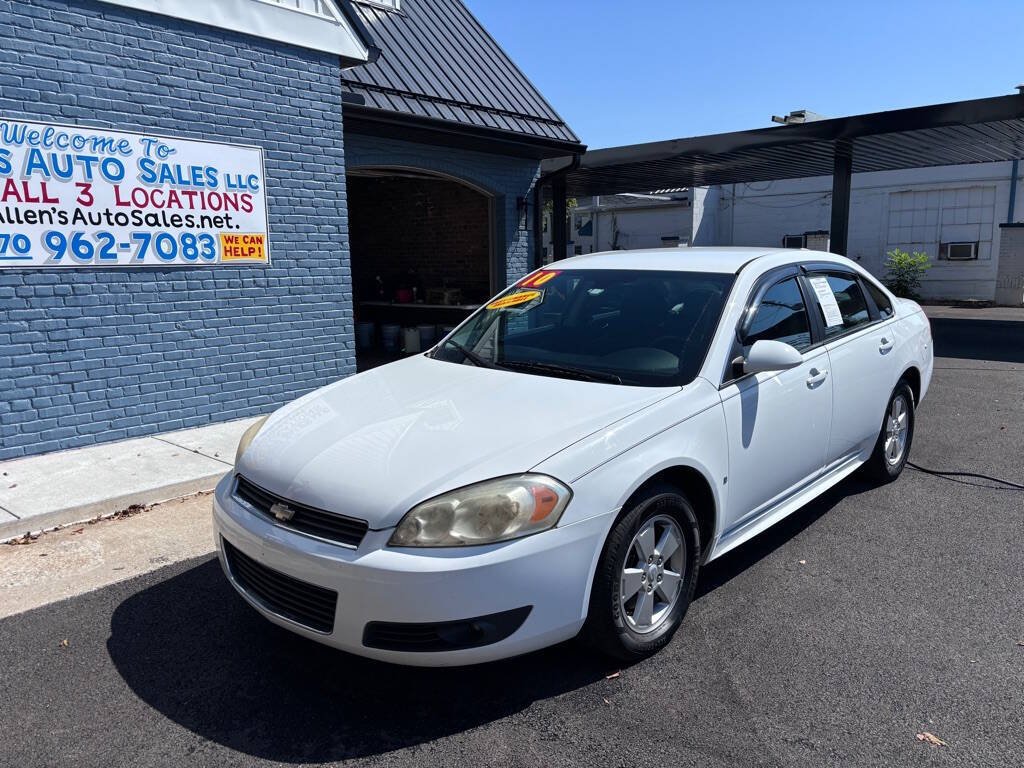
(634,327)
(849,297)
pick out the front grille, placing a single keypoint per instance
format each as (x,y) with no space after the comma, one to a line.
(305,604)
(308,520)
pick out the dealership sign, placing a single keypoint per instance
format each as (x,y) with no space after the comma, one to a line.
(79,197)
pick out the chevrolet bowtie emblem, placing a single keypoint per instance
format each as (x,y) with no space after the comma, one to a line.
(282,512)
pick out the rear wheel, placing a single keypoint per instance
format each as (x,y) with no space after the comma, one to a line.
(893,445)
(646,576)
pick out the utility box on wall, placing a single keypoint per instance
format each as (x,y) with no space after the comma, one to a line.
(817,240)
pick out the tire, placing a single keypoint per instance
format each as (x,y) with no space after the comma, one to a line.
(614,624)
(889,458)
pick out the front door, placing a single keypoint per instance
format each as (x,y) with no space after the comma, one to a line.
(778,423)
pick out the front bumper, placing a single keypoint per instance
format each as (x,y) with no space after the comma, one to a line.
(550,572)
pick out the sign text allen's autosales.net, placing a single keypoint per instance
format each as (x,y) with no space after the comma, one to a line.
(82,197)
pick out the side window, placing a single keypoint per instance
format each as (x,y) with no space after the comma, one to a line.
(881,300)
(853,307)
(780,316)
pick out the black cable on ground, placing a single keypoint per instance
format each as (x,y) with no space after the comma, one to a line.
(1004,485)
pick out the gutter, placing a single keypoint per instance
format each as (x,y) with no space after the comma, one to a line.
(385,122)
(538,235)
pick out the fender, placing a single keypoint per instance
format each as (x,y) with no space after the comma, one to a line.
(607,491)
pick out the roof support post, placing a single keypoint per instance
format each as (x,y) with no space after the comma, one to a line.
(842,177)
(1013,190)
(558,217)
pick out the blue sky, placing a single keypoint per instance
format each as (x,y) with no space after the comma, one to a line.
(631,71)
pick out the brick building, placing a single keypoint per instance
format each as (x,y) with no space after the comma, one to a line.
(399,147)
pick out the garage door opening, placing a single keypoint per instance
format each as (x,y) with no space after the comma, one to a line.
(422,259)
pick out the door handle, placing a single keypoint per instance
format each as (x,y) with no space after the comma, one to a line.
(816,377)
(884,345)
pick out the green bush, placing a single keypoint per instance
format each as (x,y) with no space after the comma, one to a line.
(905,272)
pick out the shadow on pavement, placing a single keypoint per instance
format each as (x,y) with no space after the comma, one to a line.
(974,339)
(193,650)
(732,564)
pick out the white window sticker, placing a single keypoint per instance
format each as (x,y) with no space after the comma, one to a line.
(827,300)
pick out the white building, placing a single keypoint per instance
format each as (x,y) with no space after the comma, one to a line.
(952,213)
(630,221)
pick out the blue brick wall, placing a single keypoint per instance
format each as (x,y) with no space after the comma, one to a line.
(497,175)
(94,355)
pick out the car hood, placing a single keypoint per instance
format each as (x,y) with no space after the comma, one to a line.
(374,445)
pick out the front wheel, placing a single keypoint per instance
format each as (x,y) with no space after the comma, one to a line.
(646,576)
(893,445)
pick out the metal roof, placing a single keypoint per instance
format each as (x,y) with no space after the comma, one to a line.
(978,131)
(437,62)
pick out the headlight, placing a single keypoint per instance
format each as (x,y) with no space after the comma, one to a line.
(248,436)
(495,510)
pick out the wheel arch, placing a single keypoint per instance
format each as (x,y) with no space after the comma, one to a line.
(912,375)
(697,487)
(693,481)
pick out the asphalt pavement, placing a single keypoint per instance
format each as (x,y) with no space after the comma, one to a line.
(870,616)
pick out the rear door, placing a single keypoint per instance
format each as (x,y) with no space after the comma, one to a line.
(778,422)
(859,343)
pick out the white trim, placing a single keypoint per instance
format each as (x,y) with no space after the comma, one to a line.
(321,9)
(387,5)
(315,24)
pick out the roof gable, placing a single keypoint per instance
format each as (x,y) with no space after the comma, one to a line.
(437,61)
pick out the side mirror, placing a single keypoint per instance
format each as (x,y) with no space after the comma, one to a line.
(768,355)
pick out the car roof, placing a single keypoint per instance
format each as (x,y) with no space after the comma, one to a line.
(727,259)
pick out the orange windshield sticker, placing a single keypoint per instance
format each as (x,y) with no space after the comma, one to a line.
(514,299)
(541,279)
(538,278)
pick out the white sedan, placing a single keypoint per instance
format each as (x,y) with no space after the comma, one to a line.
(564,462)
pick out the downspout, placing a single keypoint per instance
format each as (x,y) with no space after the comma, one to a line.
(538,235)
(1013,191)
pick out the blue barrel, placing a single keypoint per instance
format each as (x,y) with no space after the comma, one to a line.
(389,335)
(364,335)
(428,333)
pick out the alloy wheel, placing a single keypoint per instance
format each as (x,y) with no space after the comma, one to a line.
(897,427)
(652,574)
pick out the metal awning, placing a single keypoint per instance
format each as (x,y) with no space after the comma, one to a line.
(977,131)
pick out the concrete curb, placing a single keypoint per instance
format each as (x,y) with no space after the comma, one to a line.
(83,513)
(39,493)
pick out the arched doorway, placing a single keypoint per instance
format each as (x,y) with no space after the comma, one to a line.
(422,254)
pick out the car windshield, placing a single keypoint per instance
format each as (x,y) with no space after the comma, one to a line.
(633,327)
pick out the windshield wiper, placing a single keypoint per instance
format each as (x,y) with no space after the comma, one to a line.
(566,371)
(472,356)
